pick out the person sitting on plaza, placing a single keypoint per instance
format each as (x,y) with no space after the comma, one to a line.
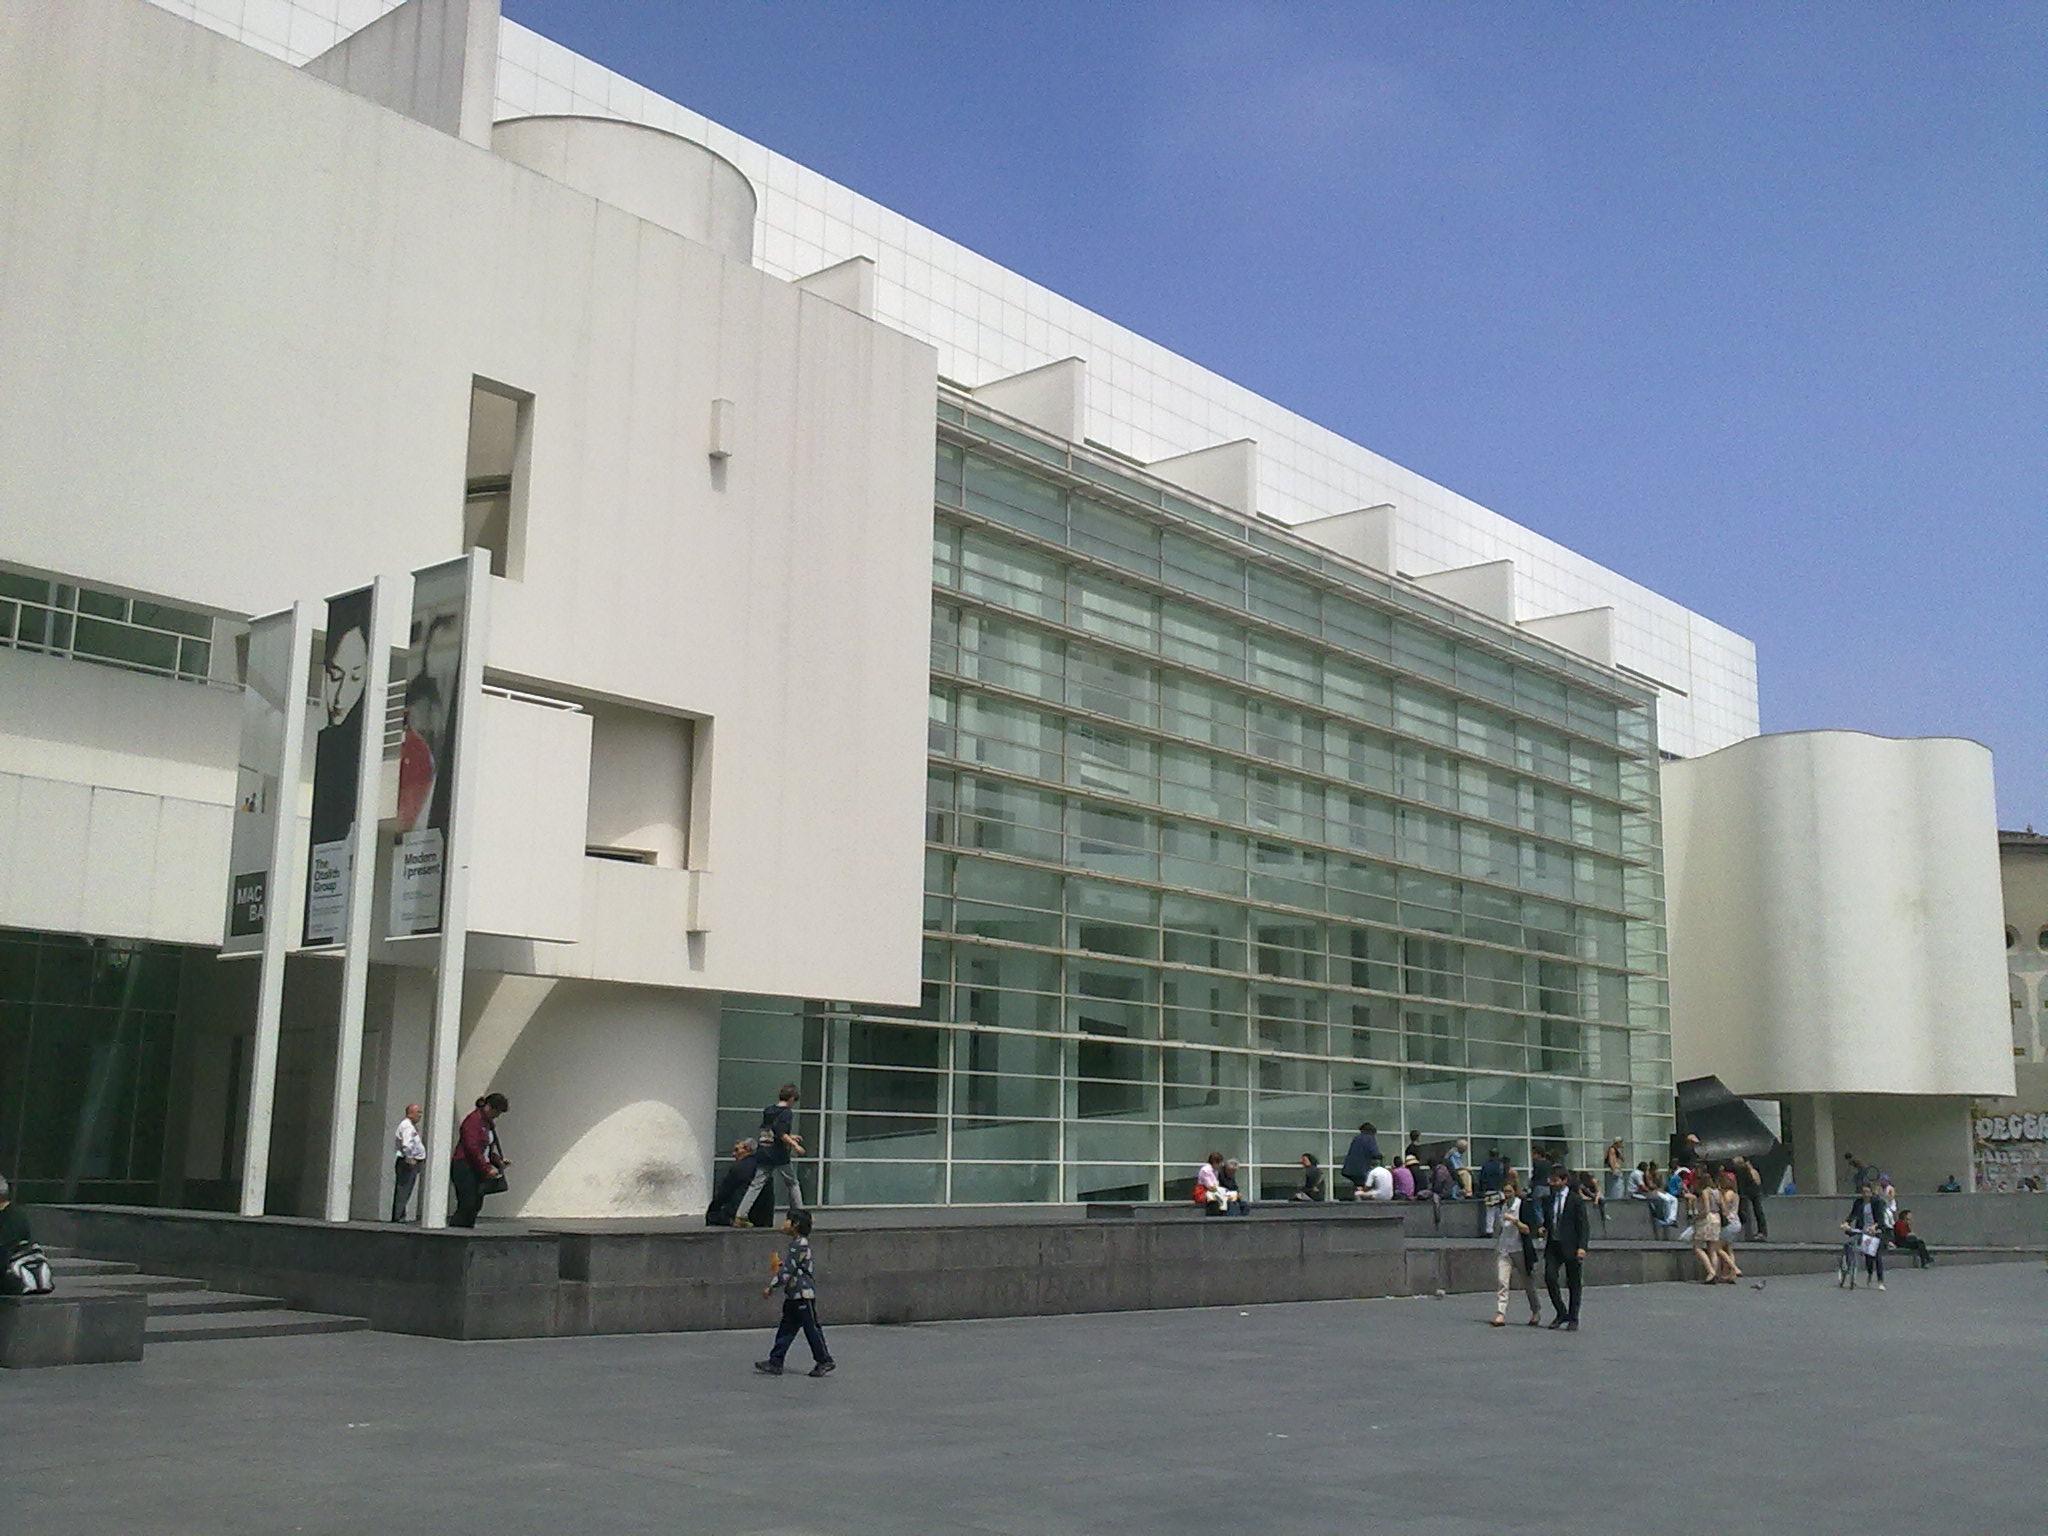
(1904,1237)
(1379,1184)
(1311,1179)
(1232,1194)
(24,1271)
(1949,1186)
(1360,1158)
(1404,1179)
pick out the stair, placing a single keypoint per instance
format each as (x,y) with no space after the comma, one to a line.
(268,1321)
(183,1310)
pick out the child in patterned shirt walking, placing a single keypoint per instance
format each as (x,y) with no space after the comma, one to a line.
(793,1276)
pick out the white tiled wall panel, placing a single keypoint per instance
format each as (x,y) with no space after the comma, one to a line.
(1143,400)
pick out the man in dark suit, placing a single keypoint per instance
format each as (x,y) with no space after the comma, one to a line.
(1564,1247)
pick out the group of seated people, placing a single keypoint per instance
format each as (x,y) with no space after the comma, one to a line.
(1216,1187)
(1442,1172)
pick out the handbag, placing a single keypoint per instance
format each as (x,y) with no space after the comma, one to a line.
(495,1184)
(1870,1244)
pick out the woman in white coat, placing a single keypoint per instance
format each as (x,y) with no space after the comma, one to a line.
(1510,1253)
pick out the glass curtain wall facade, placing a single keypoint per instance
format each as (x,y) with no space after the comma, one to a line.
(86,1030)
(1231,845)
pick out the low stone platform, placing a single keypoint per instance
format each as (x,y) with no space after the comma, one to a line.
(1946,1221)
(514,1279)
(100,1329)
(536,1281)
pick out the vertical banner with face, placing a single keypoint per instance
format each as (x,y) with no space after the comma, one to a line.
(346,713)
(269,693)
(426,751)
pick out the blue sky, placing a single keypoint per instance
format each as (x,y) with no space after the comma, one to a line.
(1747,302)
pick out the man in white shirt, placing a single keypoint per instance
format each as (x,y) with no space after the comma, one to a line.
(412,1156)
(1379,1184)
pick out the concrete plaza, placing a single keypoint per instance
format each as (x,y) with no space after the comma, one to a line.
(1916,1409)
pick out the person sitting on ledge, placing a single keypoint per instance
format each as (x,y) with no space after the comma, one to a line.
(1455,1161)
(1591,1193)
(1905,1238)
(1234,1196)
(1663,1204)
(1404,1179)
(1311,1179)
(1443,1183)
(1210,1194)
(1949,1186)
(1379,1184)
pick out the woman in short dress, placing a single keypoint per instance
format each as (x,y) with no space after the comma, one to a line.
(1703,1204)
(1729,1197)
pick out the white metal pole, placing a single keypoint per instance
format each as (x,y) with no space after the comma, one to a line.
(356,937)
(447,1035)
(286,838)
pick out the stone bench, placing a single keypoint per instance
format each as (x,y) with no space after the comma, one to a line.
(71,1330)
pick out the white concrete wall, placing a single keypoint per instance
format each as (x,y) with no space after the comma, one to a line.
(640,783)
(434,60)
(531,812)
(1919,1142)
(988,322)
(2023,877)
(613,1090)
(271,296)
(115,796)
(657,176)
(1833,908)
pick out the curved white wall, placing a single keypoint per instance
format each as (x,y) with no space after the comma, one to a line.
(1833,902)
(614,1093)
(656,176)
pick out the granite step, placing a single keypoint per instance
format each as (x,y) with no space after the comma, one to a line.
(135,1284)
(193,1327)
(73,1264)
(196,1302)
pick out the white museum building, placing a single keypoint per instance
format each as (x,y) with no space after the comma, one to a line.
(506,585)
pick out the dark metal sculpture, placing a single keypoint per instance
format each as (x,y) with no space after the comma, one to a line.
(1727,1128)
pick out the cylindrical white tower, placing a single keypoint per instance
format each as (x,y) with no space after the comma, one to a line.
(660,177)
